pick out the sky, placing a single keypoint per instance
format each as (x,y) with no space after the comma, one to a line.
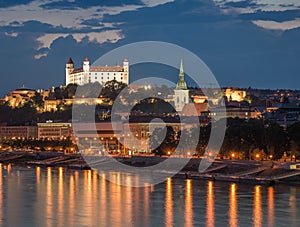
(244,43)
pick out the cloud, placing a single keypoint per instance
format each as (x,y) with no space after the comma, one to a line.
(47,40)
(13,34)
(241,4)
(84,4)
(57,17)
(273,25)
(277,16)
(9,3)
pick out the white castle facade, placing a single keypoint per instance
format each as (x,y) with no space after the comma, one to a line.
(91,74)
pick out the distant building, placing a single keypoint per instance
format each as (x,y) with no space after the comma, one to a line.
(181,93)
(195,109)
(283,112)
(235,94)
(18,132)
(233,112)
(54,130)
(90,74)
(19,97)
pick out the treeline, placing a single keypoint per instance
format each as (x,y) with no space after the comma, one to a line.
(244,138)
(38,144)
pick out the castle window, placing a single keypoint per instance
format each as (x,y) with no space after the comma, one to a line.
(95,78)
(114,78)
(114,74)
(121,78)
(102,78)
(95,73)
(108,77)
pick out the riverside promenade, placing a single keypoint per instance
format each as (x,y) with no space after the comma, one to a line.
(240,171)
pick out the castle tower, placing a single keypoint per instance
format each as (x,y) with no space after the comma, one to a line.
(181,93)
(126,70)
(69,70)
(86,65)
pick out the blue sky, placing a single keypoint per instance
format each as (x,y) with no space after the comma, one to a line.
(245,43)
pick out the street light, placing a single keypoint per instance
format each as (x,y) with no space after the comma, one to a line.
(270,156)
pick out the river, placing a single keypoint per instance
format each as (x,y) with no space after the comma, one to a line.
(60,197)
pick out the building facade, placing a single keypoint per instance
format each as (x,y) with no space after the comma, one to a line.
(91,74)
(53,130)
(18,132)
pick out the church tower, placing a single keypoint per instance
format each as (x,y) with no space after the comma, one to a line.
(69,70)
(181,96)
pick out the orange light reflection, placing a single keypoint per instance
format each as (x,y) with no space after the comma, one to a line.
(169,203)
(189,204)
(233,213)
(49,204)
(210,205)
(270,206)
(257,209)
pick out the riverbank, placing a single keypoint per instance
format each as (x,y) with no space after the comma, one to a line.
(239,171)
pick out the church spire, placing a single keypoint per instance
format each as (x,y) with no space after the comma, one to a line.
(181,84)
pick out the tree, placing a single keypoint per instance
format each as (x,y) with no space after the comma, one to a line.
(294,138)
(275,140)
(37,100)
(165,146)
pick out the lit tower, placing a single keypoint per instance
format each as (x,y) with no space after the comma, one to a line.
(86,65)
(181,92)
(69,70)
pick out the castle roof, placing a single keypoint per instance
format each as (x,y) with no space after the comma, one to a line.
(106,68)
(70,61)
(116,68)
(86,59)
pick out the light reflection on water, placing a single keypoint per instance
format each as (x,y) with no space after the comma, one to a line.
(60,197)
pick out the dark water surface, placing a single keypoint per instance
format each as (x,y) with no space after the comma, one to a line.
(60,197)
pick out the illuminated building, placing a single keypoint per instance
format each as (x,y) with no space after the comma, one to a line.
(91,74)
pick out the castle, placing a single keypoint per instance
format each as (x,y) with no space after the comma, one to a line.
(91,74)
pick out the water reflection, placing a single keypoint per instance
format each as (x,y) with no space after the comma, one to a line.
(71,198)
(188,203)
(103,197)
(1,195)
(169,203)
(49,198)
(115,198)
(257,209)
(61,197)
(293,206)
(271,211)
(210,205)
(233,211)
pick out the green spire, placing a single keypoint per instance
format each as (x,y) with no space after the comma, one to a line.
(181,84)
